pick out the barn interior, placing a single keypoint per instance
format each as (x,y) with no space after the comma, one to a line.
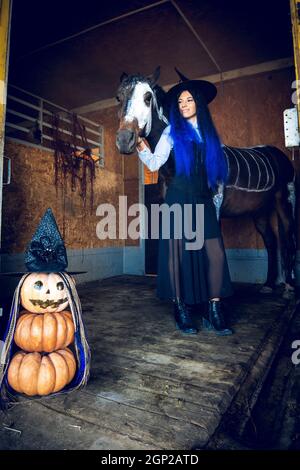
(66,60)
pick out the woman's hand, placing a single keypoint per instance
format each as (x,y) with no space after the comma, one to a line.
(140,145)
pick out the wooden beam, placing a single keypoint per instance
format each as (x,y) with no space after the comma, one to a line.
(264,67)
(296,43)
(5,17)
(196,35)
(91,28)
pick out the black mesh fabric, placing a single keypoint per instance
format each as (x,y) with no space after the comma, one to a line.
(198,275)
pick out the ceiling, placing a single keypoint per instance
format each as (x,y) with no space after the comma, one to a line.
(73,53)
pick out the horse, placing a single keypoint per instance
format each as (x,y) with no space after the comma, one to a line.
(260,178)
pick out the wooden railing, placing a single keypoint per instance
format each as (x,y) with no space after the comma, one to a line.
(30,118)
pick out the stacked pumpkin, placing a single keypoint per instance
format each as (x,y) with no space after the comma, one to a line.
(44,331)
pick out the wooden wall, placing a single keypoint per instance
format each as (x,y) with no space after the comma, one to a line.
(32,191)
(247,111)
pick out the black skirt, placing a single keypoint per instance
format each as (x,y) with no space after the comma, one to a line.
(194,275)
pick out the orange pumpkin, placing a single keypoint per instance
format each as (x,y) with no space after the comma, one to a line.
(48,332)
(44,292)
(37,374)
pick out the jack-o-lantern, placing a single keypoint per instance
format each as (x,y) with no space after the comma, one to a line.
(44,333)
(44,292)
(45,365)
(37,374)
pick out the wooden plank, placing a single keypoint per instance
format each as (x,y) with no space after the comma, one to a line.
(296,45)
(43,429)
(144,405)
(152,428)
(5,18)
(109,377)
(151,387)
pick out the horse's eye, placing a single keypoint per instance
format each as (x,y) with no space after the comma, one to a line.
(118,99)
(148,98)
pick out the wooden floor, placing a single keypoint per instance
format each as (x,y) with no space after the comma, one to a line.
(151,387)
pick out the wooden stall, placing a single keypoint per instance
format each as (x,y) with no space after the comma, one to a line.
(150,387)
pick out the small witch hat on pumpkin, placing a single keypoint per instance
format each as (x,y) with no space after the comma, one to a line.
(46,252)
(46,261)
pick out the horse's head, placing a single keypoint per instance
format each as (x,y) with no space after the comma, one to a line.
(136,97)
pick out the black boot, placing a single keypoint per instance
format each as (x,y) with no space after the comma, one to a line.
(215,320)
(183,318)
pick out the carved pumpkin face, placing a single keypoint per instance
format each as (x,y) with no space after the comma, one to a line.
(44,292)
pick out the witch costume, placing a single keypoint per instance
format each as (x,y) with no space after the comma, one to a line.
(45,256)
(191,158)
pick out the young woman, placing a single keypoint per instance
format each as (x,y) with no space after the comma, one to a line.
(191,147)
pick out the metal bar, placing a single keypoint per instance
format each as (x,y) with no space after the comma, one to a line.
(46,111)
(91,28)
(51,138)
(41,110)
(46,125)
(70,122)
(49,102)
(26,103)
(15,126)
(11,111)
(41,118)
(70,133)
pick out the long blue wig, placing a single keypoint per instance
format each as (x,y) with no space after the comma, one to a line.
(185,138)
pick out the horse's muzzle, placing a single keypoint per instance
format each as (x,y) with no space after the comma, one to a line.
(126,141)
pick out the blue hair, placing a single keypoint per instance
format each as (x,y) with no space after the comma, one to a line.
(185,138)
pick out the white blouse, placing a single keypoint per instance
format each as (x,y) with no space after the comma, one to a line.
(162,150)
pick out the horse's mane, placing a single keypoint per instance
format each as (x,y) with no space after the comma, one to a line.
(160,95)
(131,80)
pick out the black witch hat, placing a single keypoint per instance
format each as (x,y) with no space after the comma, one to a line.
(46,252)
(207,89)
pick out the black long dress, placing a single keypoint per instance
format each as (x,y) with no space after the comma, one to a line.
(195,276)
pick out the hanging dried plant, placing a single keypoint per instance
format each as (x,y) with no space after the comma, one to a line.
(71,163)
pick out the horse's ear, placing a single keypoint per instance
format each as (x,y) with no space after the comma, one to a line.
(123,76)
(153,79)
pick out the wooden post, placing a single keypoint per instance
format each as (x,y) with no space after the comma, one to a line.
(295,12)
(5,16)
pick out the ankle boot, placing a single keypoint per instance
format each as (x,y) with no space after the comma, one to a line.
(215,320)
(183,318)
